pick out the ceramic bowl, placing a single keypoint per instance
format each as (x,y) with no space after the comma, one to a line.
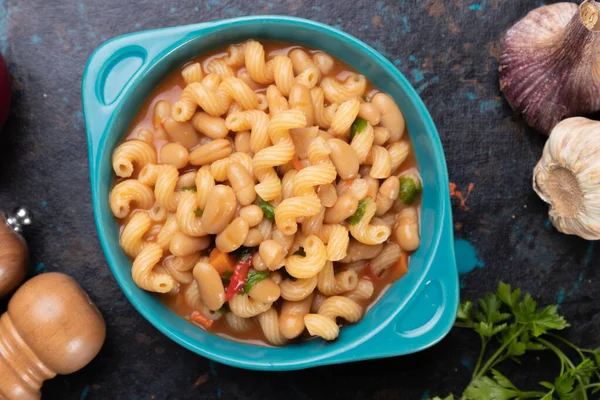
(415,313)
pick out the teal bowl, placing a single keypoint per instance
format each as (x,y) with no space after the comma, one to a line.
(415,313)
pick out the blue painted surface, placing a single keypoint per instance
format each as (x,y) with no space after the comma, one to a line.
(406,25)
(589,254)
(40,268)
(433,264)
(417,75)
(467,363)
(466,257)
(5,14)
(488,105)
(560,297)
(84,392)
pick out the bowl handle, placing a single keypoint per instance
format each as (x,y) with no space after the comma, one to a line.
(112,69)
(427,317)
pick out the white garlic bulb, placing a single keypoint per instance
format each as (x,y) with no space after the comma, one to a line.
(568,177)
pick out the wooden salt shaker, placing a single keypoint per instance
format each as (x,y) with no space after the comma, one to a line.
(14,258)
(51,327)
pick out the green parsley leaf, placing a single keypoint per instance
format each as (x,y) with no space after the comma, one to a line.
(596,353)
(360,211)
(189,189)
(491,310)
(267,208)
(507,296)
(408,190)
(548,319)
(198,212)
(300,252)
(358,126)
(563,385)
(585,370)
(547,385)
(540,322)
(464,311)
(487,329)
(497,387)
(254,278)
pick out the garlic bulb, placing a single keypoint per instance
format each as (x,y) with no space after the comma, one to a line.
(550,64)
(568,177)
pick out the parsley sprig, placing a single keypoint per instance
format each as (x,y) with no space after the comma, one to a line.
(515,325)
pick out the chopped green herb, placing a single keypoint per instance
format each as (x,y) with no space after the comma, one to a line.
(358,126)
(198,212)
(286,275)
(243,253)
(360,211)
(254,278)
(189,189)
(408,190)
(226,277)
(268,209)
(520,327)
(300,252)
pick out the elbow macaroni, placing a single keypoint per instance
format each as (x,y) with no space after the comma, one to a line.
(369,234)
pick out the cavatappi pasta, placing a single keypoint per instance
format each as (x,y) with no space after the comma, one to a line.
(268,193)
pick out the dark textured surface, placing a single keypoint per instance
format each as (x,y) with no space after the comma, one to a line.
(448,49)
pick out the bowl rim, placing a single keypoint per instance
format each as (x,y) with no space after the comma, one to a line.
(181,338)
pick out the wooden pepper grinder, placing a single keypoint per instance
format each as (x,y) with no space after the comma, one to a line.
(14,258)
(51,327)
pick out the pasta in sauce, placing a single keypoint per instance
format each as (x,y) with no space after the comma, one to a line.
(268,192)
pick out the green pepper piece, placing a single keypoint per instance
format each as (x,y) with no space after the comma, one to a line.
(360,211)
(408,190)
(253,279)
(268,209)
(358,126)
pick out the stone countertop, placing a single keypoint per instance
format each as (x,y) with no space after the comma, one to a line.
(449,51)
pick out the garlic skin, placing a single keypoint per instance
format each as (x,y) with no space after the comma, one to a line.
(549,68)
(568,177)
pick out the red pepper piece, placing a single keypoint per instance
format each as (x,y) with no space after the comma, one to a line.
(239,278)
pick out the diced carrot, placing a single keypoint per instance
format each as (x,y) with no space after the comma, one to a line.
(297,164)
(221,261)
(197,317)
(400,268)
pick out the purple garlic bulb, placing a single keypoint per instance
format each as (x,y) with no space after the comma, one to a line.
(550,64)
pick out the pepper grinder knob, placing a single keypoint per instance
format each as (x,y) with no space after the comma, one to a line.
(51,327)
(14,257)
